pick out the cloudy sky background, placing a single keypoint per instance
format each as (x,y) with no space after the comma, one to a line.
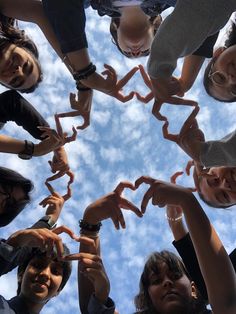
(123,142)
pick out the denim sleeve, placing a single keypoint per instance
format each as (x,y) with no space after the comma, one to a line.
(13,107)
(67,18)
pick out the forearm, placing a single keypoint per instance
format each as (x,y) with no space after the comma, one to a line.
(212,257)
(174,40)
(14,107)
(85,286)
(178,229)
(11,145)
(191,67)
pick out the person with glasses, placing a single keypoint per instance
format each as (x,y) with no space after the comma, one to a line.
(184,30)
(220,74)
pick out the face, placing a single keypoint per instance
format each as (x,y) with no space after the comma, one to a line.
(170,292)
(15,194)
(18,70)
(224,80)
(41,279)
(220,187)
(135,32)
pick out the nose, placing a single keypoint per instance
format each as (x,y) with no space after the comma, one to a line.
(45,274)
(17,70)
(167,282)
(226,184)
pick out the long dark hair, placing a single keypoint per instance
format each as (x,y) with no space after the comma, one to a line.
(8,180)
(11,34)
(114,24)
(207,82)
(153,264)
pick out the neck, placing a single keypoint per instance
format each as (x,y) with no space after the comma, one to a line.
(32,306)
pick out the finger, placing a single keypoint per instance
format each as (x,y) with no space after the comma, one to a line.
(55,176)
(58,125)
(120,218)
(147,196)
(71,176)
(111,70)
(167,135)
(71,138)
(156,111)
(122,185)
(191,121)
(124,203)
(123,98)
(145,76)
(122,82)
(50,188)
(68,194)
(144,179)
(188,167)
(86,123)
(115,222)
(72,98)
(64,229)
(175,176)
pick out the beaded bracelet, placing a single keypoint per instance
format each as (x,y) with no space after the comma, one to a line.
(81,88)
(174,219)
(89,227)
(84,73)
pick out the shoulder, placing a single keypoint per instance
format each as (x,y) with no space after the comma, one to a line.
(4,306)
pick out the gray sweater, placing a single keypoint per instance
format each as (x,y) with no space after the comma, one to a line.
(220,153)
(183,31)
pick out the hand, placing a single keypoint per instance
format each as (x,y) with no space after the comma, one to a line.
(111,86)
(109,206)
(147,81)
(91,266)
(82,108)
(60,165)
(65,196)
(44,239)
(163,88)
(54,205)
(163,193)
(190,138)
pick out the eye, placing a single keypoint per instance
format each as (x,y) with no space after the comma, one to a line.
(156,281)
(213,181)
(225,197)
(219,78)
(56,270)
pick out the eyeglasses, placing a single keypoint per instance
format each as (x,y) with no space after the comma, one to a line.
(220,79)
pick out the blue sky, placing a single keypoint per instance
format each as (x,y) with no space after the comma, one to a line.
(123,142)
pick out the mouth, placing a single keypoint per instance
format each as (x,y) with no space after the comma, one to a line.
(170,294)
(40,286)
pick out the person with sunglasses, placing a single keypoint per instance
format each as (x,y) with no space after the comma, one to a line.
(220,74)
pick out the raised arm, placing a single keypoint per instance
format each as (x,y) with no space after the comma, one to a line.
(104,208)
(212,257)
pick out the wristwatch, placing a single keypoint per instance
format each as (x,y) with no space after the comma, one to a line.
(28,151)
(49,221)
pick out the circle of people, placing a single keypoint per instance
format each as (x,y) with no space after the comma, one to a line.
(206,273)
